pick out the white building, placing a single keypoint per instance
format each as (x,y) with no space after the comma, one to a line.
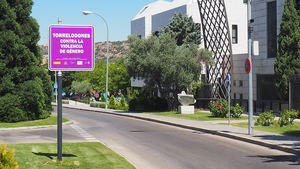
(214,20)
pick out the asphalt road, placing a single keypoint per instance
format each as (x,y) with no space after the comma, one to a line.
(156,146)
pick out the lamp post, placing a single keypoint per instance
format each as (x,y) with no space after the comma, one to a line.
(107,50)
(250,90)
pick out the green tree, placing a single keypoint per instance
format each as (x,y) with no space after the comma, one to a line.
(119,78)
(166,67)
(112,102)
(23,80)
(122,102)
(82,88)
(183,29)
(287,62)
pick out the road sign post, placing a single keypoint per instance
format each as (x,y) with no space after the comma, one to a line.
(228,85)
(59,117)
(71,48)
(250,92)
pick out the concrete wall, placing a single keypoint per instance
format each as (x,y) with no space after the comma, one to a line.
(162,19)
(138,27)
(262,65)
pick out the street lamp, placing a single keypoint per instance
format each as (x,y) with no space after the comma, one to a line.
(250,91)
(107,50)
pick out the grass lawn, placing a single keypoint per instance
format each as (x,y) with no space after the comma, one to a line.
(75,155)
(293,130)
(52,120)
(200,116)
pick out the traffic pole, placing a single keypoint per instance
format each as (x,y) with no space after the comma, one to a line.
(250,91)
(59,110)
(229,103)
(59,117)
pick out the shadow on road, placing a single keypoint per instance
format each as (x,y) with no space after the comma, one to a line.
(51,155)
(293,159)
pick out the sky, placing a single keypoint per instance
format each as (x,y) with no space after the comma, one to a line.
(117,13)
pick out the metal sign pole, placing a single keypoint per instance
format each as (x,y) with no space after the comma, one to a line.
(228,85)
(55,85)
(229,103)
(250,92)
(59,113)
(59,117)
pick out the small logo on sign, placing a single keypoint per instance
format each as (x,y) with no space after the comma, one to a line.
(79,62)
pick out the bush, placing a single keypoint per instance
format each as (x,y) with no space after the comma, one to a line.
(123,102)
(120,107)
(33,99)
(9,109)
(148,104)
(83,101)
(287,117)
(95,104)
(102,97)
(265,119)
(219,108)
(65,101)
(112,102)
(236,111)
(7,158)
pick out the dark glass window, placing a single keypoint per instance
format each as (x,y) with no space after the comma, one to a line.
(241,83)
(234,34)
(241,96)
(266,89)
(234,95)
(272,29)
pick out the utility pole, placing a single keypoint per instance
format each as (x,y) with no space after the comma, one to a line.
(250,92)
(59,111)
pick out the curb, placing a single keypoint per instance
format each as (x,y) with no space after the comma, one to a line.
(213,132)
(34,127)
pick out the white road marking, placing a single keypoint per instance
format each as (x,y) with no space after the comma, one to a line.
(84,133)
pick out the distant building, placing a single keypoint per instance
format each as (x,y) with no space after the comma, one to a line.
(224,28)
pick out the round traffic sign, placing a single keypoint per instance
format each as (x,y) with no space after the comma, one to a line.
(247,65)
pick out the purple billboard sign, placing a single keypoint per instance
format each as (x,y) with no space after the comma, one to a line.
(71,48)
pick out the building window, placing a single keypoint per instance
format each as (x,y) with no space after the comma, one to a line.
(241,83)
(272,29)
(266,89)
(241,96)
(234,95)
(234,34)
(234,83)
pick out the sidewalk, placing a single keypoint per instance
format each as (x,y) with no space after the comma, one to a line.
(285,143)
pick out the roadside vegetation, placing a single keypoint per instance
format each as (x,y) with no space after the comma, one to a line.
(25,86)
(199,116)
(75,155)
(52,120)
(169,60)
(284,125)
(287,130)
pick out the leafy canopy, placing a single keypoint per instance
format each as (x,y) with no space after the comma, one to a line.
(183,29)
(25,87)
(118,78)
(82,88)
(287,62)
(164,65)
